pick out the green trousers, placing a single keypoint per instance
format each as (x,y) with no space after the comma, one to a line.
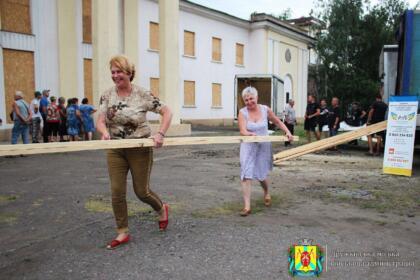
(139,162)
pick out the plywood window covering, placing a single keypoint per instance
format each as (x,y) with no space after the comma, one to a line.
(239,54)
(87,78)
(15,16)
(87,21)
(19,74)
(189,43)
(154,36)
(189,93)
(154,86)
(216,49)
(216,95)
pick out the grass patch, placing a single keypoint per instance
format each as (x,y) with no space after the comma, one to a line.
(234,207)
(398,200)
(101,204)
(8,218)
(104,205)
(381,223)
(37,203)
(7,198)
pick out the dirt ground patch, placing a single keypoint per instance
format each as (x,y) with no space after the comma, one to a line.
(56,214)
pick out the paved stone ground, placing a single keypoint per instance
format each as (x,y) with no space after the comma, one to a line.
(55,218)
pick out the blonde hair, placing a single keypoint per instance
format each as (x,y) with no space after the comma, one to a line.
(249,91)
(123,63)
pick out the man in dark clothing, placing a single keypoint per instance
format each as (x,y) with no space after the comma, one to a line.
(376,114)
(323,117)
(334,117)
(311,114)
(355,115)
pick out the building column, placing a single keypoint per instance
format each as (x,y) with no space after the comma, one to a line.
(67,49)
(107,41)
(131,33)
(169,86)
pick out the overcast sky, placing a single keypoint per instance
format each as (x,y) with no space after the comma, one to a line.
(243,8)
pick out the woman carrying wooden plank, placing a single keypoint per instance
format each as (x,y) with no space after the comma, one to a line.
(256,158)
(122,115)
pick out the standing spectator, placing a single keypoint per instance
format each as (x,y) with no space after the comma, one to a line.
(53,120)
(86,112)
(36,117)
(73,120)
(21,119)
(290,118)
(376,114)
(334,118)
(355,117)
(311,114)
(355,114)
(322,118)
(43,105)
(62,129)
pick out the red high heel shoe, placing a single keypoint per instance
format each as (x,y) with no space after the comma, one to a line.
(115,243)
(164,224)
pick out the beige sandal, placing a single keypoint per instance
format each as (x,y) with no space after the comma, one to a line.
(267,201)
(245,212)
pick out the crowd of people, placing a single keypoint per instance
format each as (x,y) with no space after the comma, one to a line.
(48,119)
(322,120)
(319,115)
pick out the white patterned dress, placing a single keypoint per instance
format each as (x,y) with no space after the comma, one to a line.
(256,158)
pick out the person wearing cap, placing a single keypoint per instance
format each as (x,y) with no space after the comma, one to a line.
(36,117)
(43,105)
(21,118)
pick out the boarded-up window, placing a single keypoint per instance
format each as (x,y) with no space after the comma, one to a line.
(154,86)
(216,49)
(87,21)
(216,95)
(189,93)
(15,16)
(18,75)
(87,78)
(239,54)
(154,36)
(189,43)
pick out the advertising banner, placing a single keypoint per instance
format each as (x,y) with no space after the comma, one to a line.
(401,129)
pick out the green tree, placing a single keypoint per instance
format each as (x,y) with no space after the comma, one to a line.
(285,14)
(350,46)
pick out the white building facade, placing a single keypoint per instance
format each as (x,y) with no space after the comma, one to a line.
(213,48)
(269,47)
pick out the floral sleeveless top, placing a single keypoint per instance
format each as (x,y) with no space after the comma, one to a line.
(126,116)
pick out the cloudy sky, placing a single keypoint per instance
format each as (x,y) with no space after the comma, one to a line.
(243,8)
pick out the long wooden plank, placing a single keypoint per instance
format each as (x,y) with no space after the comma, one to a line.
(328,142)
(62,147)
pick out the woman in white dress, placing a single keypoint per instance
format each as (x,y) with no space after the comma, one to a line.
(256,158)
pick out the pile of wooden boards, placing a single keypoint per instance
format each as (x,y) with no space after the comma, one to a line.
(62,147)
(328,142)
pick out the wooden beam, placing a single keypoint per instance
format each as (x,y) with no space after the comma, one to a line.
(328,142)
(63,147)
